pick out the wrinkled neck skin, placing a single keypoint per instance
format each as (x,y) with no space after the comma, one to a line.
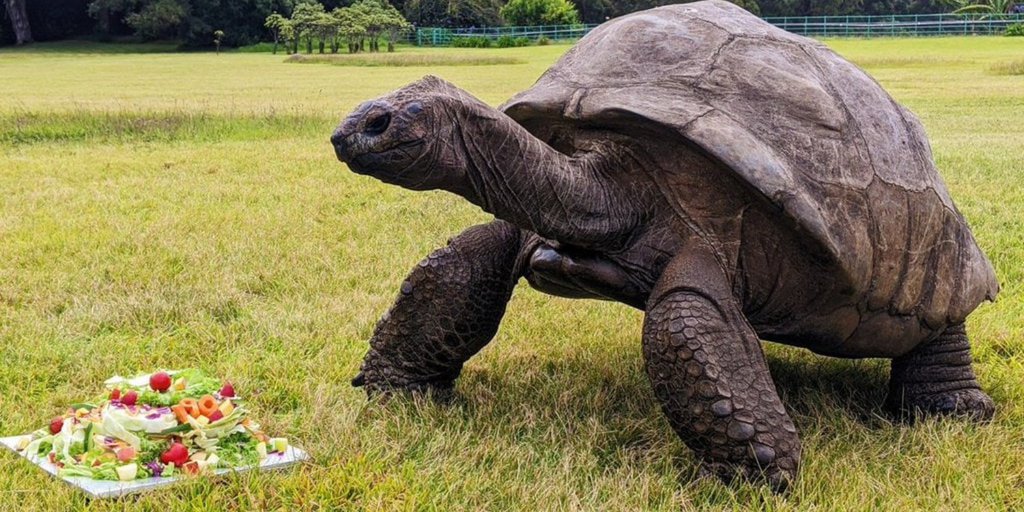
(517,177)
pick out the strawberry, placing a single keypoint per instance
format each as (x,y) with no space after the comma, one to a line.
(56,424)
(115,394)
(130,398)
(217,415)
(160,381)
(228,391)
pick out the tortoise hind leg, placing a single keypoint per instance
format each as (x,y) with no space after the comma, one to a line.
(936,378)
(710,375)
(448,309)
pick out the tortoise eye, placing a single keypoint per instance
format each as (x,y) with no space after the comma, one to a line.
(378,124)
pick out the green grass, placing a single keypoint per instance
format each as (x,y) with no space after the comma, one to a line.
(169,210)
(404,59)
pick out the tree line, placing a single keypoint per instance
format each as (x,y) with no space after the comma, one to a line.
(193,22)
(359,27)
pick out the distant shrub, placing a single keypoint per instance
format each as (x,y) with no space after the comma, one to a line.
(1017,29)
(543,41)
(512,42)
(471,42)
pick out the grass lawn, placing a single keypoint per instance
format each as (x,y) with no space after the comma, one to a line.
(171,210)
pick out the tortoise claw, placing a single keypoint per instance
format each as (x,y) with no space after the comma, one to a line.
(359,380)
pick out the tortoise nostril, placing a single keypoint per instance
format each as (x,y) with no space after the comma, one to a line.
(377,124)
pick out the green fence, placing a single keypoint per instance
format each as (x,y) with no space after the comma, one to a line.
(911,25)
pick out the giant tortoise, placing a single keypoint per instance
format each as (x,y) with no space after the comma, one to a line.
(734,181)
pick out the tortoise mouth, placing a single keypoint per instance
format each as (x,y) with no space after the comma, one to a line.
(393,160)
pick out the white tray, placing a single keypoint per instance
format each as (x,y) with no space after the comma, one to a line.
(111,489)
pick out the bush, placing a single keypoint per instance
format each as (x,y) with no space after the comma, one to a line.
(543,41)
(507,41)
(471,42)
(1017,29)
(540,12)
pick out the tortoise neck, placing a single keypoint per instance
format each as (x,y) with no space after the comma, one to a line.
(521,179)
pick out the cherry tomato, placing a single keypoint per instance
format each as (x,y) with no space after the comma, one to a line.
(56,424)
(115,394)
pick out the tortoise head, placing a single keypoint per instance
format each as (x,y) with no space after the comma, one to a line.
(404,138)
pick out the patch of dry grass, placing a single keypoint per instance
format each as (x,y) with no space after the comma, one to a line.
(403,59)
(1010,67)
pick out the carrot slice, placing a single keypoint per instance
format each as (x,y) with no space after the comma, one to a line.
(191,406)
(207,405)
(180,413)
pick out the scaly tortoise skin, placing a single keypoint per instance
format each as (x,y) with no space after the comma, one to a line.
(734,181)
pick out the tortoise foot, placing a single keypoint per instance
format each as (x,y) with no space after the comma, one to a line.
(937,379)
(778,479)
(971,404)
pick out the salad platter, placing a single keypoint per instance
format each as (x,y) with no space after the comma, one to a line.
(150,431)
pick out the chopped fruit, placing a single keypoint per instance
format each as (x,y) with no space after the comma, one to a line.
(81,413)
(177,454)
(227,407)
(180,413)
(207,404)
(278,444)
(160,381)
(203,420)
(216,416)
(212,460)
(115,394)
(56,424)
(262,450)
(192,468)
(198,457)
(179,385)
(126,454)
(127,472)
(23,442)
(130,398)
(228,391)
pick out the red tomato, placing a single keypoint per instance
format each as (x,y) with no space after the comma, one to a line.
(130,398)
(160,381)
(56,424)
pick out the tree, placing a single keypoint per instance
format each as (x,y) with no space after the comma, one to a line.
(395,25)
(276,23)
(160,19)
(453,13)
(19,21)
(350,27)
(981,6)
(305,19)
(540,12)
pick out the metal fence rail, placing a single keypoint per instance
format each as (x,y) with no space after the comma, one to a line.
(910,25)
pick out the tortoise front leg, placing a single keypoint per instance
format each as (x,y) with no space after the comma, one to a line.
(448,309)
(709,373)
